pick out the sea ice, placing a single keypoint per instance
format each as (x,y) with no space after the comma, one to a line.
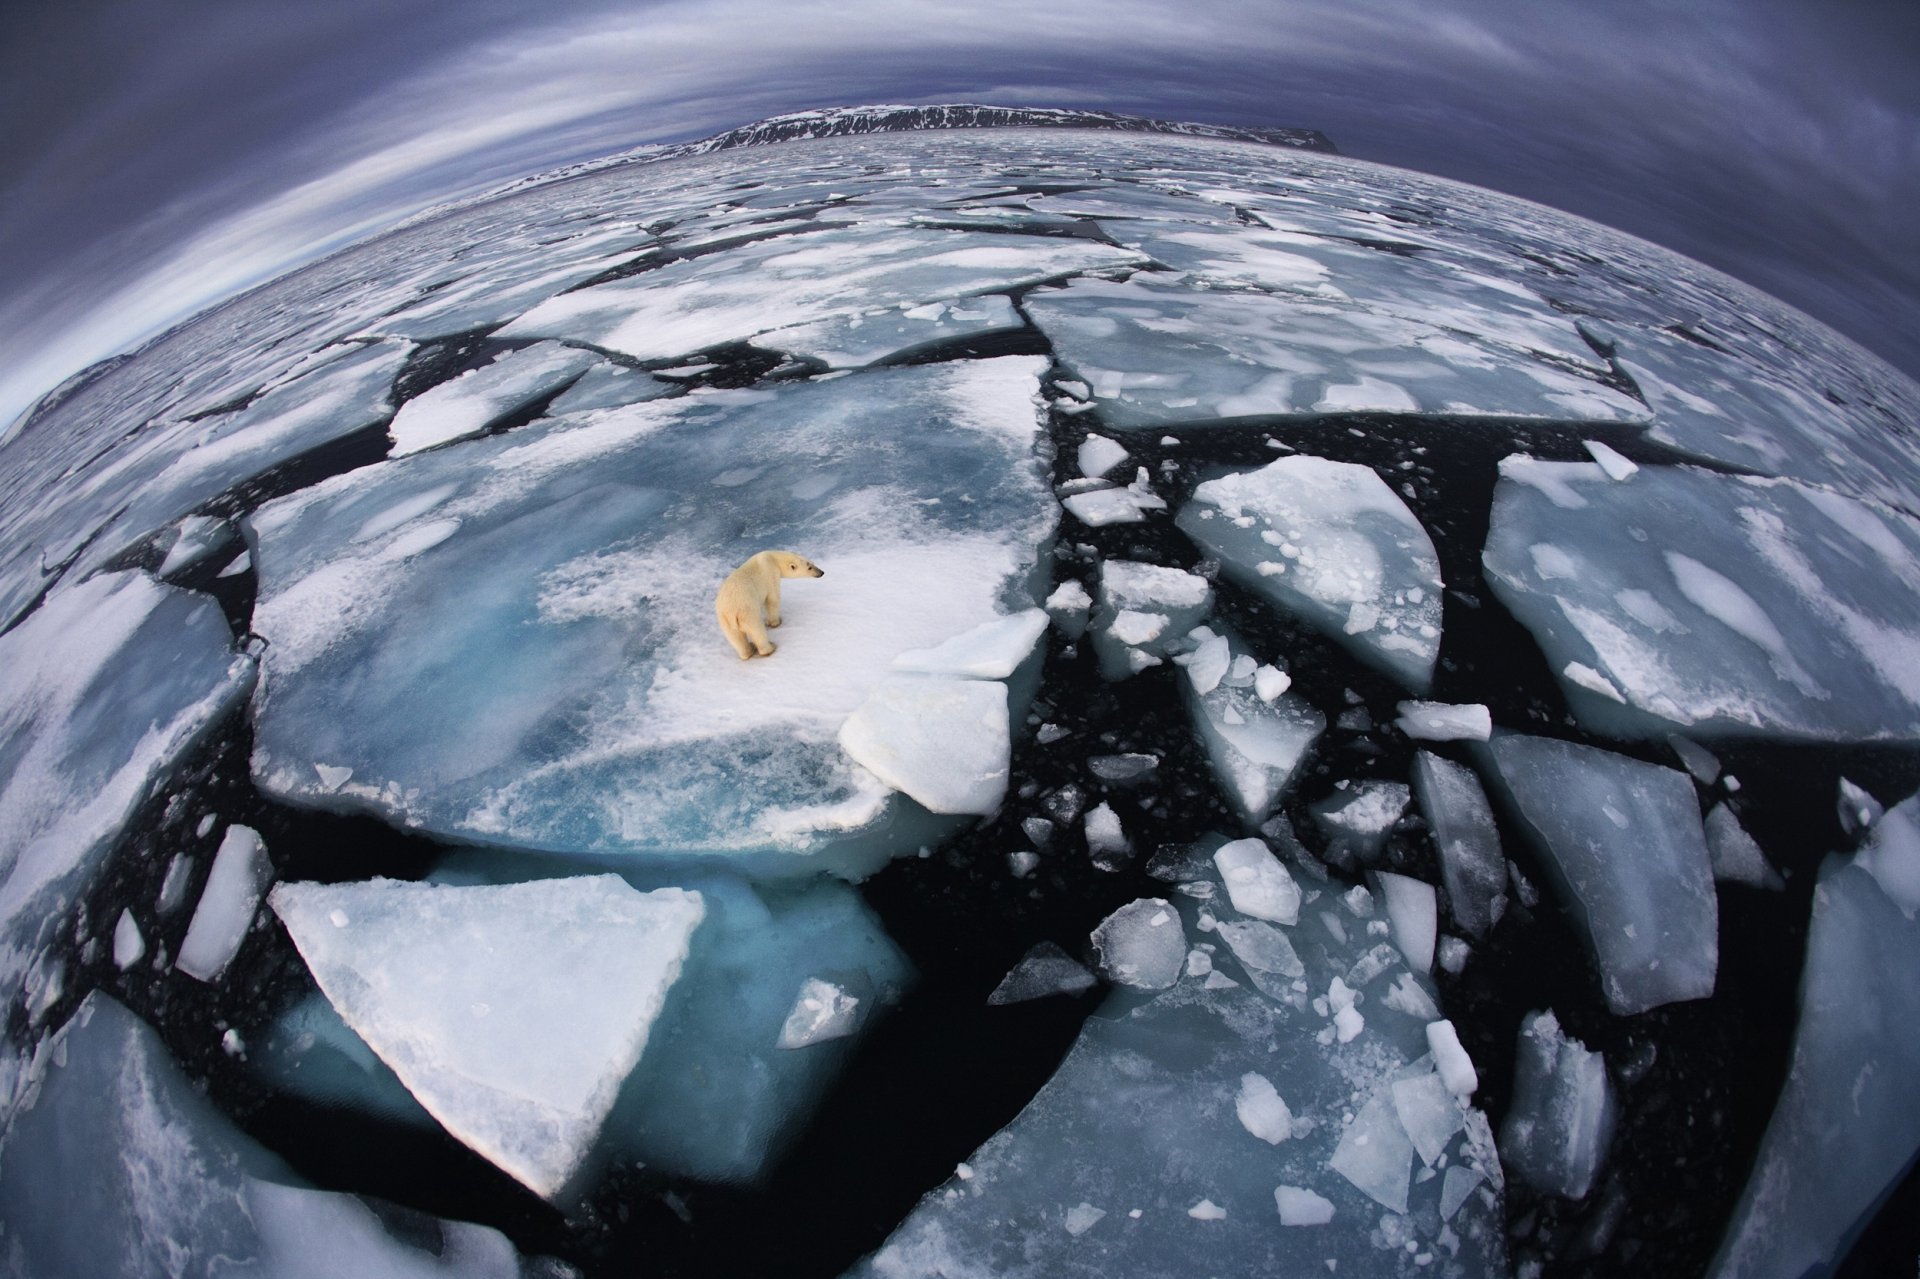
(1471,865)
(857,341)
(102,689)
(1254,745)
(1735,856)
(1357,821)
(1332,544)
(1648,595)
(475,400)
(194,539)
(1044,970)
(1624,840)
(1847,1124)
(1414,914)
(1301,1207)
(1556,1135)
(1142,944)
(1450,1060)
(992,650)
(1069,606)
(1257,883)
(120,1168)
(822,1011)
(945,742)
(511,641)
(1098,455)
(1261,1109)
(1131,592)
(448,984)
(1440,722)
(240,874)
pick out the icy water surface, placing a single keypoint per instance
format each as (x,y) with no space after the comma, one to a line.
(1350,723)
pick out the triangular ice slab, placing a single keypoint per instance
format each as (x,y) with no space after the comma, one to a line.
(512,1012)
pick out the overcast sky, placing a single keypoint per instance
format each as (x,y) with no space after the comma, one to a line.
(158,155)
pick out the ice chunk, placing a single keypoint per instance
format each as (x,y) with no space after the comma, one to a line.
(608,386)
(1069,605)
(241,872)
(1082,1217)
(1471,864)
(1892,856)
(1261,1110)
(1846,1126)
(121,1168)
(1718,604)
(1355,562)
(129,947)
(448,984)
(1269,683)
(1450,1059)
(707,300)
(1257,883)
(992,650)
(1859,811)
(1181,599)
(822,1011)
(1098,455)
(1625,842)
(1733,853)
(1557,1132)
(1429,1114)
(1440,722)
(1097,508)
(945,742)
(1695,758)
(1415,917)
(858,341)
(1105,839)
(1208,664)
(561,633)
(195,538)
(1358,820)
(1129,769)
(102,689)
(1207,1210)
(1301,1207)
(1044,970)
(1255,746)
(1142,944)
(468,404)
(1616,466)
(1375,1153)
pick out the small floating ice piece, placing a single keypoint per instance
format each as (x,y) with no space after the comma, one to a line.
(1414,913)
(195,538)
(1450,1059)
(822,1011)
(1142,944)
(1375,1154)
(1735,856)
(1355,562)
(240,874)
(1256,881)
(1098,455)
(1068,606)
(1441,722)
(1261,1110)
(450,984)
(992,650)
(1181,599)
(1625,841)
(1255,746)
(1301,1207)
(1082,1217)
(1471,864)
(1858,809)
(129,947)
(1556,1134)
(1358,820)
(1429,1113)
(1105,838)
(945,742)
(1045,970)
(1616,466)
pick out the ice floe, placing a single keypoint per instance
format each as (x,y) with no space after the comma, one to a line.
(512,640)
(1648,594)
(478,398)
(239,876)
(1624,841)
(1471,865)
(1143,611)
(1557,1132)
(1255,745)
(448,984)
(1330,543)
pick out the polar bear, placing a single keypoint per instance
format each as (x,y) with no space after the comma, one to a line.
(749,600)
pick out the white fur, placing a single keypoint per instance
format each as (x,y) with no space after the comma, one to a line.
(748,604)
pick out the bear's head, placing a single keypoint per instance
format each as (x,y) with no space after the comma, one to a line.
(792,565)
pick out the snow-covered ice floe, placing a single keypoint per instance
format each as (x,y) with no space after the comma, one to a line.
(1144,612)
(1158,350)
(1255,743)
(715,1096)
(453,986)
(475,400)
(102,690)
(120,1168)
(1223,1126)
(1724,605)
(1624,842)
(512,640)
(1330,543)
(1847,1125)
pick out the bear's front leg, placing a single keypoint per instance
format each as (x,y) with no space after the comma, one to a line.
(773,606)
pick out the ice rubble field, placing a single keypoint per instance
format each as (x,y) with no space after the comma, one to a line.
(1293,636)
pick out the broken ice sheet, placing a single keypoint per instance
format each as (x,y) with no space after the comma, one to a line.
(704,301)
(239,876)
(1144,609)
(856,341)
(1330,543)
(1255,745)
(478,398)
(512,639)
(1358,819)
(1724,605)
(1471,864)
(1142,944)
(122,1169)
(1556,1135)
(1847,1124)
(448,984)
(943,741)
(1045,970)
(1624,841)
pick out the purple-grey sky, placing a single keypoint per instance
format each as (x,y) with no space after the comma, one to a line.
(160,154)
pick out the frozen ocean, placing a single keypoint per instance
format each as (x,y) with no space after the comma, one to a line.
(1352,725)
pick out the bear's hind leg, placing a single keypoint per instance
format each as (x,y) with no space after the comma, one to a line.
(730,627)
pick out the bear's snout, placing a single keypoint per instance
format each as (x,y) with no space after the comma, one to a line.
(819,572)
